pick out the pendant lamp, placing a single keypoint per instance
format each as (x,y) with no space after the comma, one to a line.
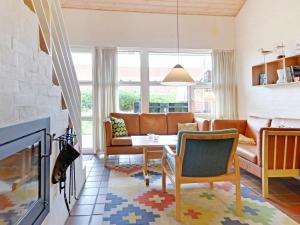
(178,76)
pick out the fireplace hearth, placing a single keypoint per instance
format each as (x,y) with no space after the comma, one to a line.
(25,173)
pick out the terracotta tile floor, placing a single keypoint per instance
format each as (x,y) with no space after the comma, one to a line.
(284,192)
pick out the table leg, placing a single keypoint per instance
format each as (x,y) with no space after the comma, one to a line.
(146,175)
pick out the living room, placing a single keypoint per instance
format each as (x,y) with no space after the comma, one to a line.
(149,112)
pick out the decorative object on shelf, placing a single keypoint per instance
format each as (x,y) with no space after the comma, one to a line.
(284,76)
(178,76)
(298,46)
(281,76)
(264,53)
(263,79)
(280,49)
(288,75)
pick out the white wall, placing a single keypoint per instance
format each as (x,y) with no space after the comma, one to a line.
(266,23)
(116,29)
(26,89)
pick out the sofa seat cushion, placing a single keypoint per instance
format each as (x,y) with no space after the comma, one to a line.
(153,123)
(248,152)
(121,141)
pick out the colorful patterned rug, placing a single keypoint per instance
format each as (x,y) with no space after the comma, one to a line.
(129,201)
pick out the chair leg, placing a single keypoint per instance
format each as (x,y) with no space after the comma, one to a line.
(163,175)
(105,160)
(238,198)
(265,185)
(178,201)
(238,187)
(211,185)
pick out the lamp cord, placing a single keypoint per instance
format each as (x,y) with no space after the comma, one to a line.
(177,32)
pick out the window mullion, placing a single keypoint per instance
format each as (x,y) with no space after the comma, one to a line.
(144,81)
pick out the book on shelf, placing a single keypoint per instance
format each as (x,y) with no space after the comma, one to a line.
(295,72)
(263,79)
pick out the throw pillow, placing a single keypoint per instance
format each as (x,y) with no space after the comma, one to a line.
(118,127)
(246,140)
(187,126)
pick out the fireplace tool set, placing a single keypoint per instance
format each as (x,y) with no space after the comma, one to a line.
(65,159)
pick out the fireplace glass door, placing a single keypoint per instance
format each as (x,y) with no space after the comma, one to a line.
(19,183)
(24,173)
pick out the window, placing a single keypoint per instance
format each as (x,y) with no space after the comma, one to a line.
(140,75)
(83,62)
(129,76)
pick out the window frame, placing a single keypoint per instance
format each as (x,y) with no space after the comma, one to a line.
(93,84)
(145,82)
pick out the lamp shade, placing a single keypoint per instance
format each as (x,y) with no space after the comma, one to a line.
(178,77)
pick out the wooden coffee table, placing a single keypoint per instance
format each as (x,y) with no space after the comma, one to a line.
(152,149)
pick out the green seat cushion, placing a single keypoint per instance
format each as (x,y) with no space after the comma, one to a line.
(118,127)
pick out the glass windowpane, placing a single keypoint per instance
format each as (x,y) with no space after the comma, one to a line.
(197,65)
(86,100)
(129,99)
(83,62)
(168,99)
(129,66)
(200,105)
(87,134)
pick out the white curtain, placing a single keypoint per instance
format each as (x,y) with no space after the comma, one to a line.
(106,87)
(224,83)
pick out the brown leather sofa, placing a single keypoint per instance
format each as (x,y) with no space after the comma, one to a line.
(285,152)
(143,124)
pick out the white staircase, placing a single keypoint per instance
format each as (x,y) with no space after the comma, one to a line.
(54,41)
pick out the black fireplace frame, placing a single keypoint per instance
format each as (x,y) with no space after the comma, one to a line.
(17,137)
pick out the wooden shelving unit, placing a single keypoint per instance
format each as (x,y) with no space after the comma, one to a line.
(270,68)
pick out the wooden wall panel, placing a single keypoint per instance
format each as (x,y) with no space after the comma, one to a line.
(186,7)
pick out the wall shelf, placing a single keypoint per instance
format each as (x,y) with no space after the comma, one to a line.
(279,85)
(270,68)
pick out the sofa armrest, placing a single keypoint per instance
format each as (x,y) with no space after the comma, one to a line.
(240,125)
(280,143)
(107,132)
(203,124)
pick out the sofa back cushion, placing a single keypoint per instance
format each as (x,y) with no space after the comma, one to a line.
(174,118)
(240,125)
(152,123)
(254,124)
(132,122)
(285,123)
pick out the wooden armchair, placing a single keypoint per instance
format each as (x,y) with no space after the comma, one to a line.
(281,154)
(202,157)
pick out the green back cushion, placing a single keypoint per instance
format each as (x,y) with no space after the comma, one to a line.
(205,158)
(118,127)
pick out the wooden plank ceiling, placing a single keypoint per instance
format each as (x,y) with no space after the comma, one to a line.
(186,7)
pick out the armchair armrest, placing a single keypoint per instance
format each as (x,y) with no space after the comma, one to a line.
(203,124)
(169,151)
(107,131)
(282,133)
